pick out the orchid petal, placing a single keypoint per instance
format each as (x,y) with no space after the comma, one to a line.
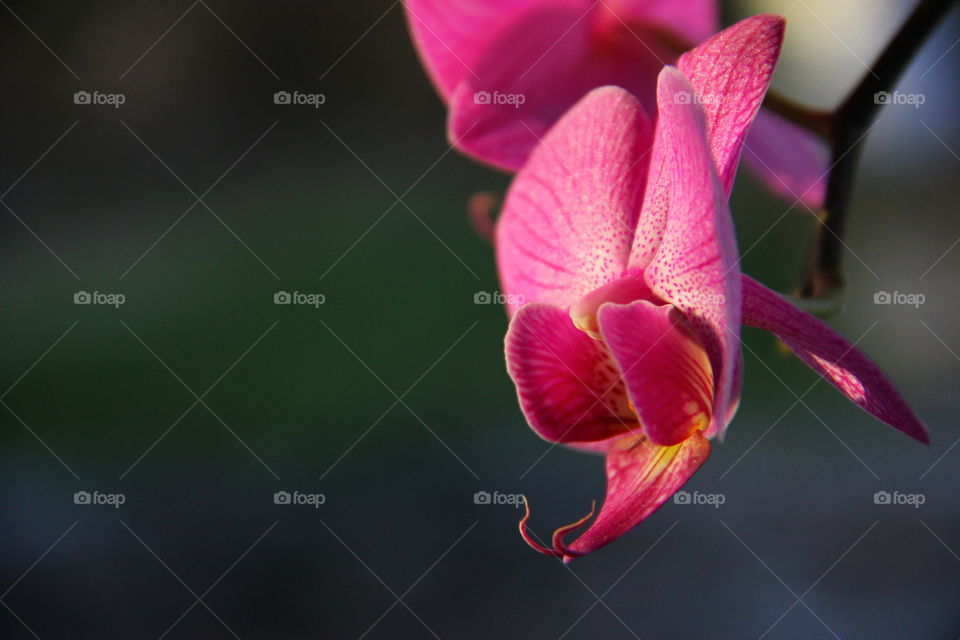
(789,160)
(737,387)
(730,74)
(692,20)
(451,35)
(641,476)
(536,70)
(568,386)
(568,219)
(833,357)
(666,369)
(686,225)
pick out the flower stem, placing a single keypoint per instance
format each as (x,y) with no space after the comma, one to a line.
(813,120)
(847,127)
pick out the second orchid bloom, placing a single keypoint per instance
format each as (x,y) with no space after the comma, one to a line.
(508,69)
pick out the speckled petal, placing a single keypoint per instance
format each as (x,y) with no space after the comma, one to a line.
(730,74)
(569,217)
(694,264)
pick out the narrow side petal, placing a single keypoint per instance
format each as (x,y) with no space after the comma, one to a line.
(666,369)
(569,217)
(686,234)
(568,386)
(641,476)
(730,74)
(833,357)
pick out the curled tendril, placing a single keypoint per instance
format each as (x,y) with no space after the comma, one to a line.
(559,549)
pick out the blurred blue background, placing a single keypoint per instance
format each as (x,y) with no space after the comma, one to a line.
(199,399)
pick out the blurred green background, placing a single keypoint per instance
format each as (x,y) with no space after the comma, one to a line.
(391,398)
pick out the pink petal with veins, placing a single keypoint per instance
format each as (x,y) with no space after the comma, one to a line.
(641,476)
(536,70)
(730,73)
(686,225)
(666,369)
(832,356)
(452,35)
(568,219)
(568,386)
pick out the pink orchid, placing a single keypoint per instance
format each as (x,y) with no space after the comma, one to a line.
(508,69)
(618,235)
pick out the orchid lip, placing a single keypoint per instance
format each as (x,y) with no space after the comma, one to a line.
(625,290)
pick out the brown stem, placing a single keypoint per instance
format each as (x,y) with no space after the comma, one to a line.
(813,120)
(850,124)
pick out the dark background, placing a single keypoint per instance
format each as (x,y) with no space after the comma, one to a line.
(296,398)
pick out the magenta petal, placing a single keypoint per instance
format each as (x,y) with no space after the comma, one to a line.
(641,476)
(731,72)
(536,70)
(790,160)
(665,367)
(737,389)
(452,35)
(833,357)
(693,20)
(568,386)
(568,219)
(686,225)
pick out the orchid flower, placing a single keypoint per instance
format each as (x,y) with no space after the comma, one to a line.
(618,234)
(508,69)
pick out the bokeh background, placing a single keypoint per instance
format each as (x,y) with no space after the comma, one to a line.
(199,398)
